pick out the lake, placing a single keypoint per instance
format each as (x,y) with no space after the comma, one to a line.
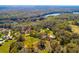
(56,14)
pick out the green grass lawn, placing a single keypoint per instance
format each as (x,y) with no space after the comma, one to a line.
(30,40)
(5,47)
(75,29)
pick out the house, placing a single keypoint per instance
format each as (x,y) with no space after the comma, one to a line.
(52,36)
(8,37)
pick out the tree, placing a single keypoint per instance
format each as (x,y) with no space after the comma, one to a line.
(71,48)
(16,47)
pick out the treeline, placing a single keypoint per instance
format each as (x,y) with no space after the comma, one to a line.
(47,36)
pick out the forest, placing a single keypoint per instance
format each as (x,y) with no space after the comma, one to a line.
(53,34)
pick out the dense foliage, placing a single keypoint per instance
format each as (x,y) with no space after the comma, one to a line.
(54,34)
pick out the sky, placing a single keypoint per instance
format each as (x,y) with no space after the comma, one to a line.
(39,2)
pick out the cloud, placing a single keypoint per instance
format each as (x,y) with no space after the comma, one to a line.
(39,2)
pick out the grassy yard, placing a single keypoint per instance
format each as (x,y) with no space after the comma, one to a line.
(29,41)
(75,29)
(5,47)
